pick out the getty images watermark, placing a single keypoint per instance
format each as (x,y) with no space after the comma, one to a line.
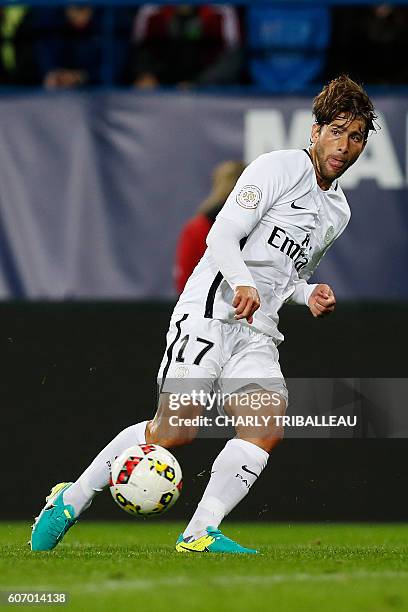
(248,405)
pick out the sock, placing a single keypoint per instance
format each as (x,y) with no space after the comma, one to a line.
(233,473)
(96,476)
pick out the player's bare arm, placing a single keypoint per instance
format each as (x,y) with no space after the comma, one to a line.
(322,301)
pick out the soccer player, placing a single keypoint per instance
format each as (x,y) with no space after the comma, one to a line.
(285,211)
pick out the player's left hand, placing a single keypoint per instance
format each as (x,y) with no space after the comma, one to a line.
(322,301)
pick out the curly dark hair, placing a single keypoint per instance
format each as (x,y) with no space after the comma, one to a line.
(343,95)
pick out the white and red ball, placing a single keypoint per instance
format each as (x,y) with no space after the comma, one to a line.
(146,480)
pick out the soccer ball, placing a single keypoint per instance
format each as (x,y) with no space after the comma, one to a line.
(146,480)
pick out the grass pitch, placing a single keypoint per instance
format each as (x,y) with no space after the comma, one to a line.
(133,566)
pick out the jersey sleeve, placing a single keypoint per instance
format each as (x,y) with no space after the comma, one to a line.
(263,183)
(223,242)
(302,291)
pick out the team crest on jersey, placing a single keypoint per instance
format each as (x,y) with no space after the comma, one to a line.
(249,196)
(329,235)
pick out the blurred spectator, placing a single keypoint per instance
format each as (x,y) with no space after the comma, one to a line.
(186,45)
(17,64)
(70,50)
(370,43)
(83,45)
(191,244)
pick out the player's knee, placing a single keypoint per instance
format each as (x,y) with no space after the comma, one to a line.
(170,437)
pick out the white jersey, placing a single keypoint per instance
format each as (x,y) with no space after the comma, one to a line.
(289,223)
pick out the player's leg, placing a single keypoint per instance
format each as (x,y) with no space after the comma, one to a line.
(243,458)
(158,431)
(237,467)
(67,501)
(96,477)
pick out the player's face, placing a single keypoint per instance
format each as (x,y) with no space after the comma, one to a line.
(335,147)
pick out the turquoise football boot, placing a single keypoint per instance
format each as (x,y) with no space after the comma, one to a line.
(213,542)
(54,521)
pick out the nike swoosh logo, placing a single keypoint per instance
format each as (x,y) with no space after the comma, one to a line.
(293,205)
(192,549)
(245,468)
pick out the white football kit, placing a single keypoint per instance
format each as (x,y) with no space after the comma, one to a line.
(272,232)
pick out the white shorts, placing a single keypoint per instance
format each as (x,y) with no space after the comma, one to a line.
(211,354)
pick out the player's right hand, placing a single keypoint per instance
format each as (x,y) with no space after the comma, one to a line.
(246,301)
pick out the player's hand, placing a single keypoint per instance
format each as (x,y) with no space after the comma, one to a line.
(246,301)
(322,301)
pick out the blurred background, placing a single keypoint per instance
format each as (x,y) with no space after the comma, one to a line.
(123,127)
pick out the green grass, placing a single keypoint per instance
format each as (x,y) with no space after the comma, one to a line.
(132,566)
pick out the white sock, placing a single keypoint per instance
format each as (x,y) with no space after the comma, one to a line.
(233,473)
(96,476)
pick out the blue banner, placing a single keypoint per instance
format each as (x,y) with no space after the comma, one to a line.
(95,188)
